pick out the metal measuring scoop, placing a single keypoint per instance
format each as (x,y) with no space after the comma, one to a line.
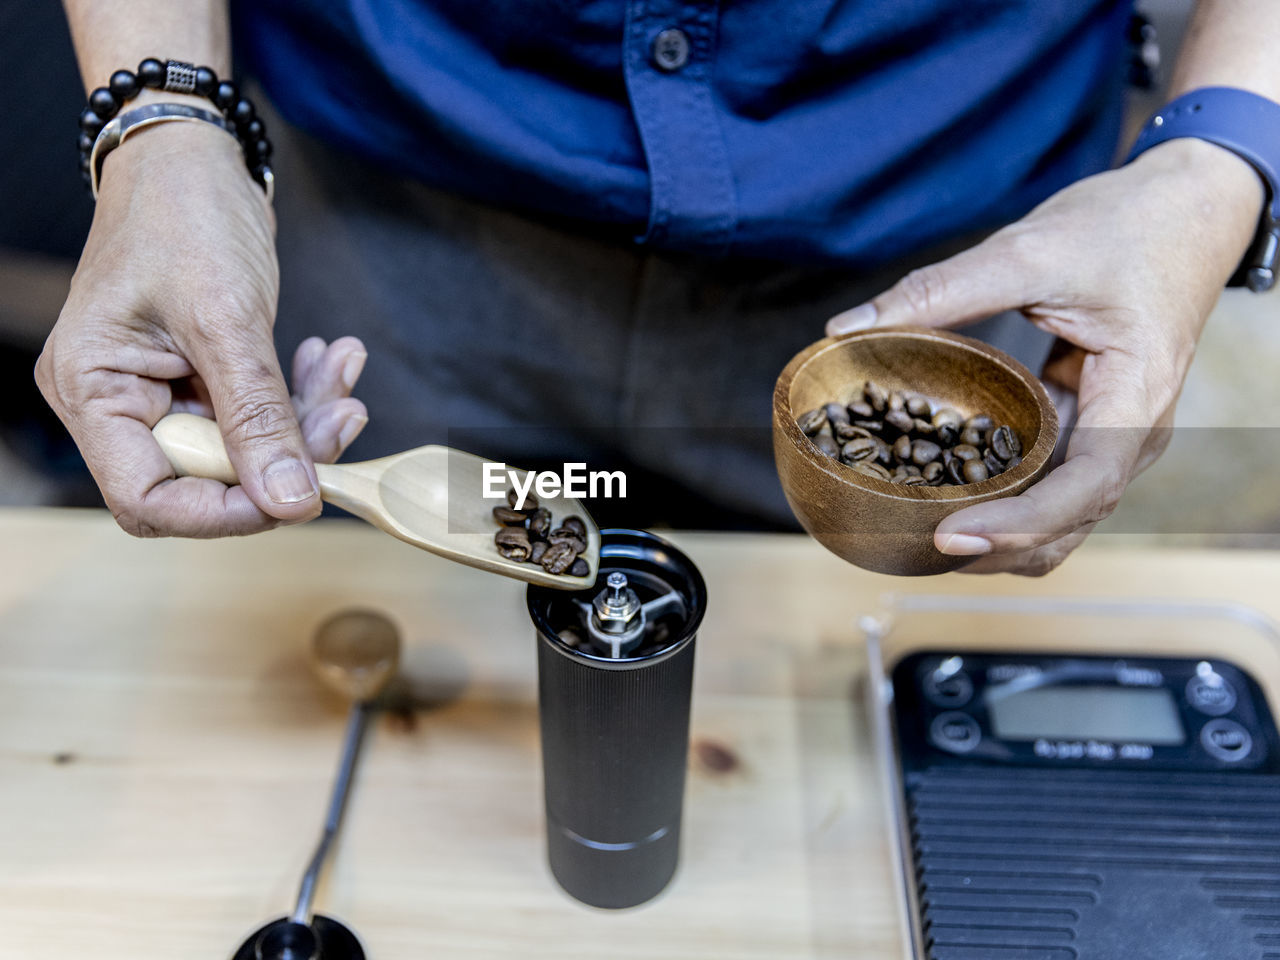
(355,653)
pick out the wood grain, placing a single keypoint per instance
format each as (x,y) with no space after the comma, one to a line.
(888,527)
(165,750)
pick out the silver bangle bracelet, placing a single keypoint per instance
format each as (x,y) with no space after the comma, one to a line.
(118,129)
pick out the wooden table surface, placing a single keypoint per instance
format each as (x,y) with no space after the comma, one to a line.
(165,751)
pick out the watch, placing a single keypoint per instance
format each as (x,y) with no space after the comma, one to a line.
(1248,125)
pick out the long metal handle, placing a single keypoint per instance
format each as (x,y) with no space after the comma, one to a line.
(357,720)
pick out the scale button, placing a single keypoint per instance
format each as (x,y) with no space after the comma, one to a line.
(1226,740)
(1210,693)
(947,685)
(956,732)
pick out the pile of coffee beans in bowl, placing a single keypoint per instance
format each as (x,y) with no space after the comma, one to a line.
(527,536)
(904,437)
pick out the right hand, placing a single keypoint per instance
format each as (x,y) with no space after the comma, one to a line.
(172,307)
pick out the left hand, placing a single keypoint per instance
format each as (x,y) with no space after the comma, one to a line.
(1123,267)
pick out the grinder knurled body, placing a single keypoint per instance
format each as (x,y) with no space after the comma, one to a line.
(615,676)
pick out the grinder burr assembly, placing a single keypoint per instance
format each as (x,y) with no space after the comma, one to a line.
(615,677)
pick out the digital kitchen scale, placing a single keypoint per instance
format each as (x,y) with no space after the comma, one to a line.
(1081,781)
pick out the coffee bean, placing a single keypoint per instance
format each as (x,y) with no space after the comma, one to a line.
(847,431)
(813,421)
(539,523)
(509,517)
(513,543)
(561,535)
(899,420)
(918,406)
(859,449)
(558,558)
(924,451)
(870,469)
(948,416)
(860,410)
(884,453)
(827,446)
(914,481)
(530,501)
(580,568)
(526,535)
(974,471)
(874,394)
(902,449)
(1004,443)
(900,434)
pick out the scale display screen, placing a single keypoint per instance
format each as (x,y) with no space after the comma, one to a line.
(1111,713)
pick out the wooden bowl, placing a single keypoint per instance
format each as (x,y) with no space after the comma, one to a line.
(882,526)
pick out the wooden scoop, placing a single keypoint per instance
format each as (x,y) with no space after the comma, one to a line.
(405,494)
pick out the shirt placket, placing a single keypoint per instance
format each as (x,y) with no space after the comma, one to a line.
(669,57)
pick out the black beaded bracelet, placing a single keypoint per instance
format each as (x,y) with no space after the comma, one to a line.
(178,77)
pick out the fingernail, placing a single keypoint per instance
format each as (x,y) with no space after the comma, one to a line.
(965,545)
(351,429)
(351,369)
(859,318)
(287,481)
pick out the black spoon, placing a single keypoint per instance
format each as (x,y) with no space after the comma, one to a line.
(355,653)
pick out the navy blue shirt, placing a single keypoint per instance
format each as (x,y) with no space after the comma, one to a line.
(796,130)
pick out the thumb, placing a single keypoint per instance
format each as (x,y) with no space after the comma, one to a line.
(259,426)
(975,283)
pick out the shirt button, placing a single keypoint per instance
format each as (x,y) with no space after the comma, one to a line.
(670,50)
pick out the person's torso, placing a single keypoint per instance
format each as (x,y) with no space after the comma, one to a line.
(826,130)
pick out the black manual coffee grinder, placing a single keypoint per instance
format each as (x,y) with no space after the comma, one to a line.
(615,677)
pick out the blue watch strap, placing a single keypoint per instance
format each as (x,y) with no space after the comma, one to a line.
(1248,125)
